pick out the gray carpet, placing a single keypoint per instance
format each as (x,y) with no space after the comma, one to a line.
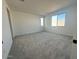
(43,45)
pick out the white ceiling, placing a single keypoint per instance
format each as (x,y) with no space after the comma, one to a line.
(39,7)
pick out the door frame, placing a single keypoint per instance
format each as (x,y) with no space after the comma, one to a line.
(9,17)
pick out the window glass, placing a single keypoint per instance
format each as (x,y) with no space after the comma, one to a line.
(41,21)
(58,20)
(54,20)
(61,20)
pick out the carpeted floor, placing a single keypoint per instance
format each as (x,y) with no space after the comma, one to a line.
(43,45)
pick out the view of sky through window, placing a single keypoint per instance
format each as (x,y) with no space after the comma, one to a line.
(58,20)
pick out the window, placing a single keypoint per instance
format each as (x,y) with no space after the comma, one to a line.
(61,20)
(54,20)
(41,21)
(58,20)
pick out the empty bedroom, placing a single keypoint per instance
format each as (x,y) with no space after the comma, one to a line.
(39,29)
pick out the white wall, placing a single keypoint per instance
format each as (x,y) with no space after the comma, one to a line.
(70,27)
(6,33)
(24,23)
(74,51)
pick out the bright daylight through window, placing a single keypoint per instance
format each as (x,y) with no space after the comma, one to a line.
(42,21)
(58,20)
